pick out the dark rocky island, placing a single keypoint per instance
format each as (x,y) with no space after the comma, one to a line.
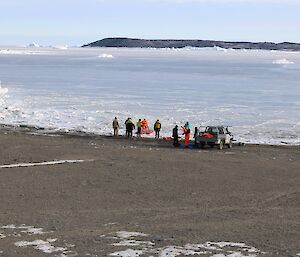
(145,43)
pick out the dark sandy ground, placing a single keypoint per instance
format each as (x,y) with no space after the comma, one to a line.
(247,194)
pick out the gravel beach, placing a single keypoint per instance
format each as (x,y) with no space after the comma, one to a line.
(101,196)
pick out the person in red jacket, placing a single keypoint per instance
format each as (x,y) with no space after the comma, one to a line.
(187,134)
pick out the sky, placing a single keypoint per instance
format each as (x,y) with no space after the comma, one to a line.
(77,22)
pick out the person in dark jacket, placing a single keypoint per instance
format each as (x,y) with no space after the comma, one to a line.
(175,136)
(127,135)
(195,135)
(129,128)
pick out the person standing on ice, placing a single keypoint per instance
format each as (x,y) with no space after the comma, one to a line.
(116,127)
(175,136)
(157,127)
(139,128)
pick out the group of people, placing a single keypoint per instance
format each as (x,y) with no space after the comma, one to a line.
(143,128)
(186,132)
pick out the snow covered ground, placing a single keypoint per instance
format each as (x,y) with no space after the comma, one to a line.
(130,244)
(255,92)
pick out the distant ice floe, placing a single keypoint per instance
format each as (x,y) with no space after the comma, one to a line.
(61,47)
(191,48)
(20,52)
(33,45)
(57,47)
(214,48)
(108,56)
(282,61)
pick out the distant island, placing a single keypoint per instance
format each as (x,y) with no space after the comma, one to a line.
(177,43)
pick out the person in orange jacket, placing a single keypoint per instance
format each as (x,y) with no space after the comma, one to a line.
(187,134)
(144,125)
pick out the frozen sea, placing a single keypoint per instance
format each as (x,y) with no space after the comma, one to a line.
(255,92)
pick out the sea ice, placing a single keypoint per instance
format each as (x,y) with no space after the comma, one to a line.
(106,56)
(282,61)
(3,91)
(61,47)
(73,90)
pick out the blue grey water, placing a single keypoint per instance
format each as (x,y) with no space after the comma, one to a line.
(255,92)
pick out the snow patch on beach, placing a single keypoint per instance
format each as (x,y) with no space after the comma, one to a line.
(132,243)
(126,234)
(282,61)
(44,246)
(139,246)
(128,253)
(30,230)
(40,163)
